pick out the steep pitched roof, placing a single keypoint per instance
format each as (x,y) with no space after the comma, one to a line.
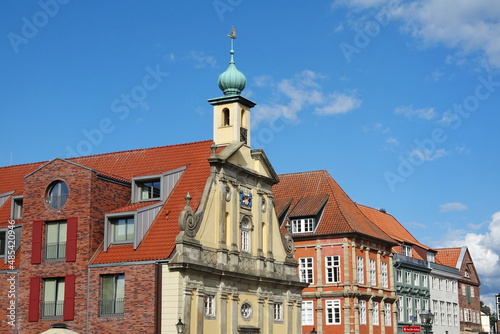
(159,241)
(448,256)
(304,192)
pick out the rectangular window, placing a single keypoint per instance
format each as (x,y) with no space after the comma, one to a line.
(426,304)
(278,311)
(304,225)
(362,312)
(401,314)
(385,275)
(306,269)
(408,277)
(333,312)
(449,312)
(387,315)
(307,313)
(53,298)
(416,279)
(455,314)
(435,307)
(454,286)
(149,190)
(467,315)
(332,264)
(406,250)
(55,245)
(375,314)
(472,291)
(245,236)
(361,270)
(448,285)
(441,284)
(3,246)
(442,314)
(409,308)
(425,281)
(399,276)
(209,303)
(17,208)
(430,257)
(112,295)
(435,283)
(123,230)
(373,273)
(418,306)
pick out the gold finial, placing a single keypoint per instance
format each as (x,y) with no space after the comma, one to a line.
(232,34)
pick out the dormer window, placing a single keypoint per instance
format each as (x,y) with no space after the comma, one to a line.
(122,229)
(17,207)
(406,250)
(146,188)
(303,225)
(430,257)
(150,190)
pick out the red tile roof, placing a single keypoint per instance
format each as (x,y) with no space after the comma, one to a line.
(159,241)
(391,226)
(448,256)
(307,190)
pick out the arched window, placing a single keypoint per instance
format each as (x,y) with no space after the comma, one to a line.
(244,119)
(246,230)
(226,117)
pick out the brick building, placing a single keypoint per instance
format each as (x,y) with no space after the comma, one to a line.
(468,286)
(345,258)
(133,241)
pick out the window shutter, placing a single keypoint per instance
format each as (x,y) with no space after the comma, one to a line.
(34,304)
(72,224)
(36,242)
(69,297)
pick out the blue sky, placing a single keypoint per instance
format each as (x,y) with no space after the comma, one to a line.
(398,100)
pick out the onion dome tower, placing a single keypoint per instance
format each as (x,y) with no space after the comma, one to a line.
(231,111)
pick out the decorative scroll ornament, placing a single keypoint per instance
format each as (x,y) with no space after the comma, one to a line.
(288,243)
(188,221)
(246,199)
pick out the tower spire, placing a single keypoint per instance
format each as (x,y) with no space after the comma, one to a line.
(232,81)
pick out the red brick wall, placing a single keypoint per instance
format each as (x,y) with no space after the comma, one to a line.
(88,199)
(139,314)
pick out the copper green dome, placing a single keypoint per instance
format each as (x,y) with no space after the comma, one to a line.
(232,81)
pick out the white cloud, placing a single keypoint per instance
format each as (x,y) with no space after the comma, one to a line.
(409,111)
(420,154)
(447,207)
(466,27)
(201,60)
(339,103)
(302,91)
(485,252)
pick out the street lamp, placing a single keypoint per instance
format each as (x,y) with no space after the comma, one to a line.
(314,331)
(426,318)
(180,327)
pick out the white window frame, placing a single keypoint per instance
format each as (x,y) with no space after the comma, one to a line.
(401,313)
(333,312)
(362,312)
(307,313)
(246,235)
(406,250)
(409,308)
(278,311)
(442,309)
(408,277)
(435,306)
(387,315)
(209,305)
(385,275)
(416,279)
(332,269)
(373,272)
(375,314)
(306,268)
(361,270)
(425,281)
(430,257)
(399,276)
(303,225)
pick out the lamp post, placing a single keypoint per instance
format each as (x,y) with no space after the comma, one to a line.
(426,318)
(180,327)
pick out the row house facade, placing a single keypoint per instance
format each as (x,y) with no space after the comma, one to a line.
(467,287)
(411,268)
(136,241)
(345,258)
